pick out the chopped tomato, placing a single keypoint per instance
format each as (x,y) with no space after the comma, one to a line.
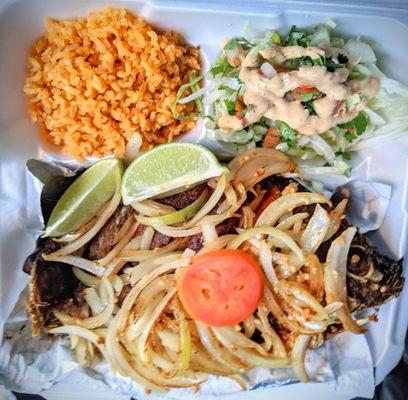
(297,93)
(271,196)
(221,288)
(272,138)
(238,106)
(239,115)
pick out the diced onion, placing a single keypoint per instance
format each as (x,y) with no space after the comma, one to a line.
(267,70)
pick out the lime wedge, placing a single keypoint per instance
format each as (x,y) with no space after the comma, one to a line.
(166,168)
(84,198)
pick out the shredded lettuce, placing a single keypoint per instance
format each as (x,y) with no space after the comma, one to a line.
(360,51)
(385,117)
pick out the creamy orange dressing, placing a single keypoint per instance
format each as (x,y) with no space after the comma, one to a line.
(265,97)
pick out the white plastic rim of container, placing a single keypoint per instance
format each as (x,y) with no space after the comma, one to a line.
(384,22)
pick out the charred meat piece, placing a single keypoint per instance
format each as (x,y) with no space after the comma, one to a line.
(194,242)
(184,199)
(225,227)
(53,286)
(160,240)
(373,278)
(106,239)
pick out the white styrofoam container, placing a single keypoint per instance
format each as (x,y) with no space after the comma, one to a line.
(205,23)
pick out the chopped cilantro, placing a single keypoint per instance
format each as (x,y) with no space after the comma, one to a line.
(264,122)
(298,38)
(244,112)
(245,43)
(332,65)
(287,134)
(294,63)
(309,96)
(221,66)
(350,137)
(232,43)
(357,125)
(230,106)
(309,106)
(275,38)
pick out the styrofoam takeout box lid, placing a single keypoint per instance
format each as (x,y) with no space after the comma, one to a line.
(204,23)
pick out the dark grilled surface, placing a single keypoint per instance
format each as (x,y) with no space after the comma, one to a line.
(53,286)
(225,227)
(184,199)
(383,276)
(105,240)
(160,240)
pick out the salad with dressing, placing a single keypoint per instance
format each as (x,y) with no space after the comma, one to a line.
(312,95)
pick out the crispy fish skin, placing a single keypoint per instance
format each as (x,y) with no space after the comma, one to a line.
(53,286)
(373,278)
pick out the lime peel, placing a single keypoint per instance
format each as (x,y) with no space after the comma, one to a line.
(83,199)
(168,167)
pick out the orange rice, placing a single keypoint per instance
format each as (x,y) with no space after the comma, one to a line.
(94,82)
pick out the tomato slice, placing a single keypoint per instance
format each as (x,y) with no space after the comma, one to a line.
(272,138)
(221,288)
